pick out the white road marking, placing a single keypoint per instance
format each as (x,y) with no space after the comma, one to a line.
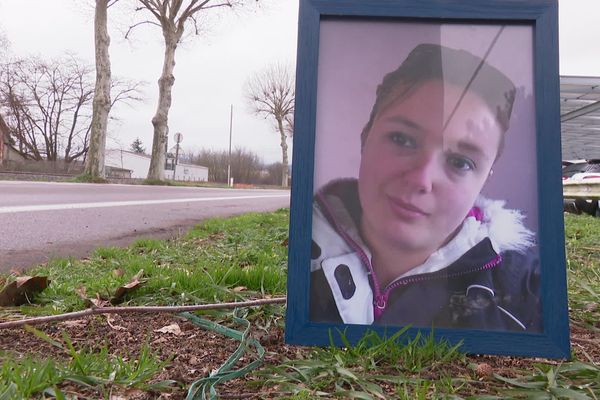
(48,207)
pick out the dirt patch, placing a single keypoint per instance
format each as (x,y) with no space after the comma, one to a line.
(194,352)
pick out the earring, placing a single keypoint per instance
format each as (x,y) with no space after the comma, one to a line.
(491,172)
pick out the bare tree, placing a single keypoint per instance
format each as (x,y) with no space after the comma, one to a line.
(172,16)
(270,94)
(246,166)
(94,166)
(46,105)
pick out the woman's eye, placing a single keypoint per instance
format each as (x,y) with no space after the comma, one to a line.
(461,163)
(403,140)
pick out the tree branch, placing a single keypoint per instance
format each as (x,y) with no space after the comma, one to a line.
(143,309)
(132,27)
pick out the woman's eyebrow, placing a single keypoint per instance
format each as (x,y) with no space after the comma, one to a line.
(470,148)
(405,121)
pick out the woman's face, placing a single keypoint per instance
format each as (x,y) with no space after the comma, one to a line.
(417,179)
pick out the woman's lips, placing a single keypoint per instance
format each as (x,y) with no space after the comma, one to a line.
(406,210)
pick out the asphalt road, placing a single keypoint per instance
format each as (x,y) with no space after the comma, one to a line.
(43,220)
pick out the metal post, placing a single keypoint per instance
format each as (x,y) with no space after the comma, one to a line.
(176,158)
(229,159)
(178,139)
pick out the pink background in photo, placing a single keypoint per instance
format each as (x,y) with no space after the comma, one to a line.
(355,55)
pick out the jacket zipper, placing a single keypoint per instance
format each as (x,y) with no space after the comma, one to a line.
(357,249)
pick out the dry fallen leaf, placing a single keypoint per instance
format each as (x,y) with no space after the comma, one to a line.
(21,290)
(173,329)
(194,360)
(123,290)
(97,302)
(129,287)
(78,323)
(32,282)
(110,320)
(484,370)
(129,394)
(160,340)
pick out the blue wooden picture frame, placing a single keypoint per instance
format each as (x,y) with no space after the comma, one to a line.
(542,17)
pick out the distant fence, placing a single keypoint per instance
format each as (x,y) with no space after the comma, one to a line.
(582,190)
(43,167)
(33,176)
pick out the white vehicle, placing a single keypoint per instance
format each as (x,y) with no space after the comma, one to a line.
(584,177)
(578,206)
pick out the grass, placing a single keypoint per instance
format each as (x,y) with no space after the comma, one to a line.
(220,260)
(157,182)
(25,377)
(360,371)
(582,237)
(245,257)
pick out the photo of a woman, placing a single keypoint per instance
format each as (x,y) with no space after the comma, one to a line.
(411,240)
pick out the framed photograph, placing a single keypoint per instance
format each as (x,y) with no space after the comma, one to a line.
(426,189)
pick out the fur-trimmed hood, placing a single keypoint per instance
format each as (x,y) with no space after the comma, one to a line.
(505,226)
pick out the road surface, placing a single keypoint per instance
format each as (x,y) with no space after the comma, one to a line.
(43,220)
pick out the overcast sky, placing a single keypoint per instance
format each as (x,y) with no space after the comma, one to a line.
(211,69)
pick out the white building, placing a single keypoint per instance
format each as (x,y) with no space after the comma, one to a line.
(139,164)
(7,153)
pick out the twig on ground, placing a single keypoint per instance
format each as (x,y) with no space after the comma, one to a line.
(590,248)
(586,340)
(239,396)
(140,309)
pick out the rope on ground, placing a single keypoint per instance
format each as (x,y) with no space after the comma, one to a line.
(140,309)
(204,388)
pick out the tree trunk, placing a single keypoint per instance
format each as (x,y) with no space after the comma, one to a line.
(94,165)
(160,121)
(284,159)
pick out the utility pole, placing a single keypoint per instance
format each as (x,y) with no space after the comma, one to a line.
(229,159)
(178,139)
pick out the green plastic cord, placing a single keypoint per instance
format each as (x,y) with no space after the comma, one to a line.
(204,388)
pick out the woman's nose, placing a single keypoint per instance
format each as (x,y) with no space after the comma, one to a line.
(420,174)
